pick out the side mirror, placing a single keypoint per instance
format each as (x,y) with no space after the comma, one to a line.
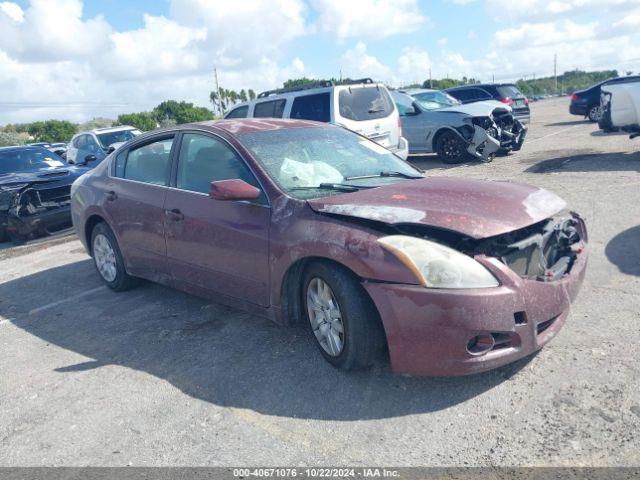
(235,189)
(87,159)
(411,111)
(111,149)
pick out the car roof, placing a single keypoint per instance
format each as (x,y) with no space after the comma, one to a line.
(236,126)
(23,147)
(412,91)
(107,129)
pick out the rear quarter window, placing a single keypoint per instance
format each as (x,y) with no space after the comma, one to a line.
(270,109)
(364,103)
(240,112)
(312,107)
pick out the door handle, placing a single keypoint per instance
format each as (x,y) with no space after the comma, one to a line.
(111,195)
(176,215)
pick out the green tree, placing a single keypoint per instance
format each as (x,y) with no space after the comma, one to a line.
(145,121)
(52,131)
(9,139)
(251,94)
(181,112)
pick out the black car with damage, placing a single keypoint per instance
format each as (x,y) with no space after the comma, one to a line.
(35,192)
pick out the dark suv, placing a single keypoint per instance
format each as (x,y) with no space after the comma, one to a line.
(586,103)
(506,93)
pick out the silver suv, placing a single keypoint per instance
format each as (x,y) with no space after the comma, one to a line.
(362,106)
(91,147)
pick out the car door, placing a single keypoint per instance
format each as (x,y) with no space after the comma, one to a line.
(134,203)
(219,246)
(413,122)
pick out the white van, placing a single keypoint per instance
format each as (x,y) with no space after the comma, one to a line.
(362,106)
(620,103)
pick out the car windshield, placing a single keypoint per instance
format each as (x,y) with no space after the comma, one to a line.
(28,159)
(509,91)
(435,100)
(109,138)
(316,162)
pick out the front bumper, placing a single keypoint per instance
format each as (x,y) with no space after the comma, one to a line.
(428,329)
(39,224)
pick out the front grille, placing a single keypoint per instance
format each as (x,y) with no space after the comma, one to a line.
(54,195)
(545,251)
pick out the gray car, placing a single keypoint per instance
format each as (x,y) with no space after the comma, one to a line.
(92,146)
(435,122)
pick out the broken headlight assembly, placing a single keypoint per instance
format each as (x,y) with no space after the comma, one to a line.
(8,196)
(437,266)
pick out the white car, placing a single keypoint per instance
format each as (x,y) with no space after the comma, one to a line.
(91,147)
(620,104)
(362,106)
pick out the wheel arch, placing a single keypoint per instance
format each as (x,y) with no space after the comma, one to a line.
(291,288)
(89,225)
(439,133)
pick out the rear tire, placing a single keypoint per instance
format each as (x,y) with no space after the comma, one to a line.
(108,259)
(362,340)
(595,113)
(450,148)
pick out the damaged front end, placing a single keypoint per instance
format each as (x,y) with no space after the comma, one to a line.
(545,251)
(34,209)
(487,135)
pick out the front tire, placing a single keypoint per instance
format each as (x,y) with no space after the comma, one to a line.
(108,259)
(450,148)
(344,322)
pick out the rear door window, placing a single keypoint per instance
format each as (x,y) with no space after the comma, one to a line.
(364,103)
(240,112)
(312,107)
(462,95)
(148,163)
(509,91)
(271,109)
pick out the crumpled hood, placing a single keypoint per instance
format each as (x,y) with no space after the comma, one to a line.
(476,208)
(44,175)
(477,109)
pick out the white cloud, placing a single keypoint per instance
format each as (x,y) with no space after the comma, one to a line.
(13,11)
(369,18)
(56,63)
(528,35)
(545,10)
(51,30)
(357,63)
(413,65)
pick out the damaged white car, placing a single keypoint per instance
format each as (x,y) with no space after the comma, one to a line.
(435,122)
(620,103)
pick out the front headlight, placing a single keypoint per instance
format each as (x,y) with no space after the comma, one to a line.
(437,266)
(8,195)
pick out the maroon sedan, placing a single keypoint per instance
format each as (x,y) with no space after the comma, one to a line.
(307,222)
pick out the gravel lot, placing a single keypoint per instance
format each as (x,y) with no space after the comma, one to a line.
(156,377)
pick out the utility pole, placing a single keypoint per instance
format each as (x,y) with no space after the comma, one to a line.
(215,74)
(430,78)
(493,78)
(555,71)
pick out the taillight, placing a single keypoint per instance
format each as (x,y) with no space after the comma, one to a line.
(399,127)
(507,100)
(526,101)
(574,98)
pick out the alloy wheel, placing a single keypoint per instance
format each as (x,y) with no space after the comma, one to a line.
(325,317)
(105,257)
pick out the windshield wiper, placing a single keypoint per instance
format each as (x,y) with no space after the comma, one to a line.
(385,174)
(376,110)
(333,186)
